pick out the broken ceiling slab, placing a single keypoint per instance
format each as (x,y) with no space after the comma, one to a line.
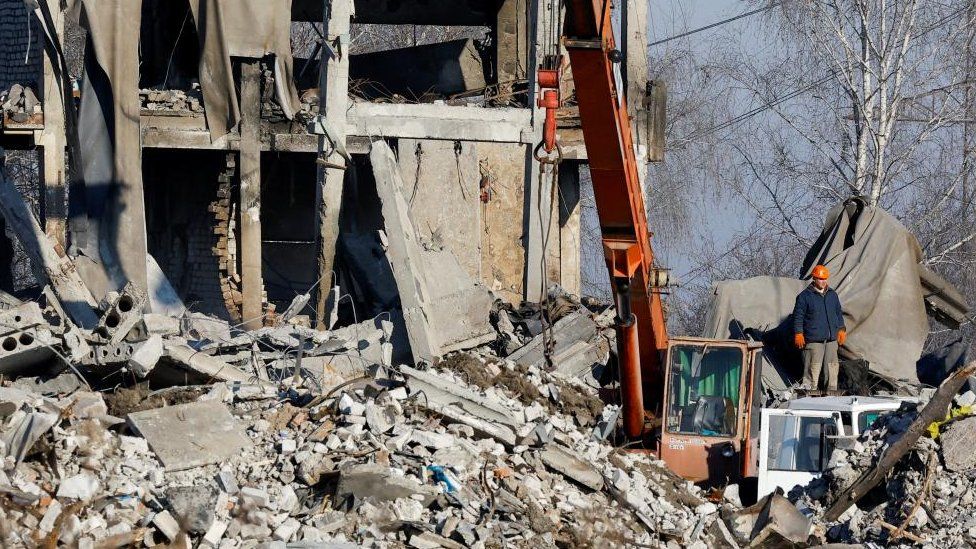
(577,346)
(444,68)
(463,405)
(443,308)
(204,364)
(190,435)
(563,461)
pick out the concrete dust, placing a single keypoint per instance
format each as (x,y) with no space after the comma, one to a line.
(478,372)
(485,372)
(138,398)
(575,402)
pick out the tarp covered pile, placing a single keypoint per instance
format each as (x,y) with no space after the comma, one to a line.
(874,267)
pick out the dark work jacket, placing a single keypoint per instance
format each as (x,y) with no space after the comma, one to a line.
(818,317)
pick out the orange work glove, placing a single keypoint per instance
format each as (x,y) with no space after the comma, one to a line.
(799,341)
(841,336)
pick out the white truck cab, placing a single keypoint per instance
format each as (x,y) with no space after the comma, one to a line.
(795,442)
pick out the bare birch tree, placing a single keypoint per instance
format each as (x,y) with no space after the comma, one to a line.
(825,99)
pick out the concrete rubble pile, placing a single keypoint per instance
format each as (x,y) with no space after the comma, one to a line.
(19,104)
(288,434)
(928,498)
(172,100)
(120,427)
(396,460)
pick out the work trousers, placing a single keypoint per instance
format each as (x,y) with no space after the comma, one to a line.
(819,356)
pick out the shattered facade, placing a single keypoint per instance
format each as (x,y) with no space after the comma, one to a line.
(252,181)
(301,279)
(240,249)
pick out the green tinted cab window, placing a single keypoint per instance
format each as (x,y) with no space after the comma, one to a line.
(704,390)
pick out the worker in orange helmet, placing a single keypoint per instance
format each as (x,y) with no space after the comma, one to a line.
(818,329)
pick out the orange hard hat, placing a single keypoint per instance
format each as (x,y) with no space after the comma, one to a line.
(821,272)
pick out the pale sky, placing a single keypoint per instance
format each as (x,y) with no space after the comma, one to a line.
(672,17)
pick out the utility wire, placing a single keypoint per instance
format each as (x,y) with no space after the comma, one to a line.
(764,107)
(716,24)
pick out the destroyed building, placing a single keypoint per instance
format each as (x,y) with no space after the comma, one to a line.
(299,274)
(244,199)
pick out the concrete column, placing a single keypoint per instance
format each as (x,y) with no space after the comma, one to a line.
(52,141)
(511,45)
(634,48)
(252,287)
(569,227)
(333,104)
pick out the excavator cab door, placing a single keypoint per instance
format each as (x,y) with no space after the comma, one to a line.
(705,396)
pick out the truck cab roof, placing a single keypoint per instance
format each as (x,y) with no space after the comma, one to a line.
(848,403)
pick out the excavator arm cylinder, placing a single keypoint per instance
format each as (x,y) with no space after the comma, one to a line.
(628,362)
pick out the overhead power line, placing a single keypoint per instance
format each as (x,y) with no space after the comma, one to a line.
(716,24)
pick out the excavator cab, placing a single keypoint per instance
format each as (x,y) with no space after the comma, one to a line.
(710,424)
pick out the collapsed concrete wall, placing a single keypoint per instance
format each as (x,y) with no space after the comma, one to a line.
(478,189)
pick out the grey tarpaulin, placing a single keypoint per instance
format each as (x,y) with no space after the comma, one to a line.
(242,28)
(758,308)
(113,244)
(874,266)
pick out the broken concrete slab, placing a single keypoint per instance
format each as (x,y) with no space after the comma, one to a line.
(62,384)
(443,308)
(146,355)
(463,405)
(190,435)
(163,297)
(88,405)
(108,354)
(577,345)
(204,364)
(564,461)
(405,254)
(49,261)
(958,441)
(380,483)
(370,340)
(158,324)
(430,540)
(380,418)
(772,522)
(227,482)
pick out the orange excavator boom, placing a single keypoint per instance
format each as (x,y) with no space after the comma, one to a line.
(642,334)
